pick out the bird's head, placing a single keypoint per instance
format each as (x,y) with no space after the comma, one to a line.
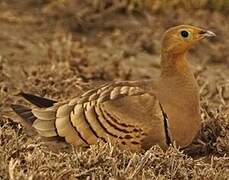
(180,38)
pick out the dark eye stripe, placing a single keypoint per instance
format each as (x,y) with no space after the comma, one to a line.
(184,34)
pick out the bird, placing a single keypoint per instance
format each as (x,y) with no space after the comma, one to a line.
(134,115)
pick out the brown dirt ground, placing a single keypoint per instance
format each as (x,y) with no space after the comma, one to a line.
(59,48)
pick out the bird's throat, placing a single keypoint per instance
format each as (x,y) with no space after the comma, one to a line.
(174,64)
(177,77)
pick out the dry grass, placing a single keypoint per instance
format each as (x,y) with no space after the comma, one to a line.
(102,42)
(153,5)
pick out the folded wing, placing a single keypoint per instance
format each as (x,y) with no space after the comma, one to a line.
(119,113)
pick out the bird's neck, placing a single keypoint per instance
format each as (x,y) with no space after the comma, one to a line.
(179,97)
(174,65)
(177,78)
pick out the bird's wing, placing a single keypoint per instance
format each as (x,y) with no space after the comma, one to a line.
(113,111)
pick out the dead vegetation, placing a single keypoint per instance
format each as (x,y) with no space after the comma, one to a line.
(59,48)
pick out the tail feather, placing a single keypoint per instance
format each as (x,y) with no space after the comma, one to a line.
(25,113)
(38,101)
(32,117)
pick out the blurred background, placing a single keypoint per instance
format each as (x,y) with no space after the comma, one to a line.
(100,40)
(59,48)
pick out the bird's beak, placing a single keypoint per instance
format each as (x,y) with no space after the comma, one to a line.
(204,34)
(209,34)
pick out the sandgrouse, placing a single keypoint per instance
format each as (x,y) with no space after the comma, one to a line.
(135,115)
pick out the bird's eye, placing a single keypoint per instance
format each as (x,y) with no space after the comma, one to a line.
(184,34)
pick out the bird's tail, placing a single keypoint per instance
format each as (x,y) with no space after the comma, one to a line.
(33,117)
(25,113)
(40,119)
(37,100)
(27,118)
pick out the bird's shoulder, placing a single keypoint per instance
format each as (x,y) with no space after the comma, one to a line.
(115,90)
